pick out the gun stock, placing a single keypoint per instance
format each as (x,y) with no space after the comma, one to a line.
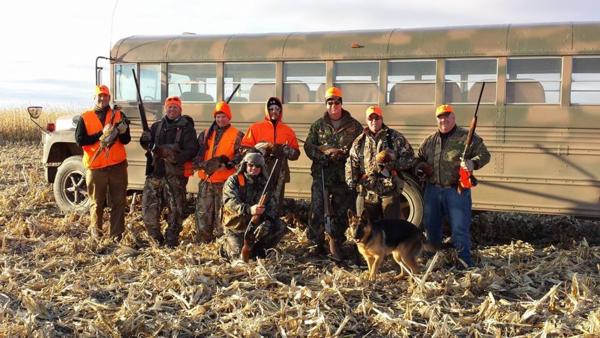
(466,179)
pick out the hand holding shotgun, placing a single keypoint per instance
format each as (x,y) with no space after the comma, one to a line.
(466,179)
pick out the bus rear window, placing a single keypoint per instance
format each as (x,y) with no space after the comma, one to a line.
(533,80)
(585,80)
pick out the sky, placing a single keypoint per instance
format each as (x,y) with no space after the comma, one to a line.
(49,47)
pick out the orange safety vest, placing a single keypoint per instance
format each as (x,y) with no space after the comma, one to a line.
(112,155)
(225,147)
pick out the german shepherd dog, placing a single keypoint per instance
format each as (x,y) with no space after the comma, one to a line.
(375,240)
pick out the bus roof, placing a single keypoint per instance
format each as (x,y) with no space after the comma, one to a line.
(470,41)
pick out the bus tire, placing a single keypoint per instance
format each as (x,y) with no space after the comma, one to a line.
(69,188)
(411,202)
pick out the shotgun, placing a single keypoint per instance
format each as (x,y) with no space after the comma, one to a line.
(466,179)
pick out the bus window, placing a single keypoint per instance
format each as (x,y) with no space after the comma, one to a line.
(124,84)
(411,81)
(533,80)
(193,82)
(150,82)
(302,80)
(462,75)
(257,81)
(359,80)
(585,80)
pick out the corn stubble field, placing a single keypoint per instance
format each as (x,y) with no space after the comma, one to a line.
(535,276)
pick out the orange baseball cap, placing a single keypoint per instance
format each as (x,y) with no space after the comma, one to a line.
(102,89)
(173,100)
(333,92)
(222,107)
(374,110)
(443,109)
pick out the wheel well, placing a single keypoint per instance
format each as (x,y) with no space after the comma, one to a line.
(58,153)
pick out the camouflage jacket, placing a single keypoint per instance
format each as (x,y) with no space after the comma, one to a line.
(238,197)
(322,133)
(164,132)
(365,147)
(446,161)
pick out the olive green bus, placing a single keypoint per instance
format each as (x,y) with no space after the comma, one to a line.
(539,113)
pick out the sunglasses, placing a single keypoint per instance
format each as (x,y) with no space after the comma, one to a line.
(332,102)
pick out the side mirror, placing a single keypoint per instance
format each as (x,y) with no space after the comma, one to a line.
(35,111)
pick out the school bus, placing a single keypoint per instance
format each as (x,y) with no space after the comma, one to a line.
(539,113)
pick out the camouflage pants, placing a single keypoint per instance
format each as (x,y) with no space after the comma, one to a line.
(112,179)
(209,211)
(158,194)
(234,240)
(379,207)
(342,200)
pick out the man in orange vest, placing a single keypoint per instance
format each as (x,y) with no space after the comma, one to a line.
(274,139)
(219,153)
(173,143)
(102,134)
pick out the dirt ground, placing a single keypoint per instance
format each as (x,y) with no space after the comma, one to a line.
(535,276)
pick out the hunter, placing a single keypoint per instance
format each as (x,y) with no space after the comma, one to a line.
(102,133)
(173,143)
(374,168)
(218,156)
(274,139)
(439,160)
(327,145)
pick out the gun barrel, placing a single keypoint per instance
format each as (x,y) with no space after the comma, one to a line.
(141,108)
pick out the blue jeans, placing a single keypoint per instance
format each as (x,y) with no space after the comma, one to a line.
(440,202)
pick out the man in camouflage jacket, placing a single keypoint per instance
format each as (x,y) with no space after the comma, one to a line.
(439,158)
(377,158)
(173,142)
(241,193)
(327,145)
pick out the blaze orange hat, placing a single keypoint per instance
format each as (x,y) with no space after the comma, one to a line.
(222,107)
(443,109)
(102,89)
(374,110)
(333,92)
(173,100)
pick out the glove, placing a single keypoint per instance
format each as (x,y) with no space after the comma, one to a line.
(287,151)
(146,137)
(278,150)
(423,170)
(122,128)
(467,164)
